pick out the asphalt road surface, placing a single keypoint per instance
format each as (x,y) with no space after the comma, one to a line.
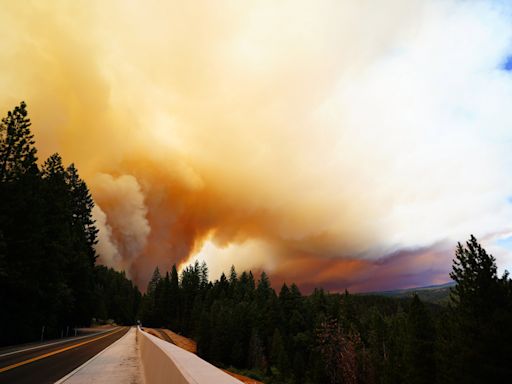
(48,363)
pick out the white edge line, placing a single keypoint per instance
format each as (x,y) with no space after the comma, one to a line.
(63,379)
(55,343)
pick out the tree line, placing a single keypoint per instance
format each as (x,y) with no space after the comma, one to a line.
(49,280)
(286,337)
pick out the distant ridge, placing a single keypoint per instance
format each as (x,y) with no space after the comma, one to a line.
(438,294)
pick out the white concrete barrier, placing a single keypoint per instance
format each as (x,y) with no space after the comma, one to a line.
(164,362)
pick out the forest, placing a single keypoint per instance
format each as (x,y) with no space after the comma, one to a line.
(243,323)
(50,282)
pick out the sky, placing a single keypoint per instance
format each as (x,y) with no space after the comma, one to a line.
(336,144)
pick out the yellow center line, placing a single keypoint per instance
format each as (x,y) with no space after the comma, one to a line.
(12,366)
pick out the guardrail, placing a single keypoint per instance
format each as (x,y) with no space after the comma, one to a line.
(164,362)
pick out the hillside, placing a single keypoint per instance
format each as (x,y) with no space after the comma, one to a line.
(437,294)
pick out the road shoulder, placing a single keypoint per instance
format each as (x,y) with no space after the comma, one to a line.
(118,363)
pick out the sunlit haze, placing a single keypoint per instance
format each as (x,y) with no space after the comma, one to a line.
(335,144)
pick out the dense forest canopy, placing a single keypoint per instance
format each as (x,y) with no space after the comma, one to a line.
(49,281)
(285,337)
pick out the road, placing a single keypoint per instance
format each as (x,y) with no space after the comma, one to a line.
(49,362)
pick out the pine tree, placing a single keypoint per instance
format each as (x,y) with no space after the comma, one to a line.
(263,291)
(46,244)
(481,315)
(153,283)
(175,281)
(203,275)
(250,282)
(59,244)
(148,305)
(246,286)
(21,227)
(278,356)
(17,150)
(163,301)
(82,204)
(233,277)
(174,293)
(256,356)
(419,348)
(190,288)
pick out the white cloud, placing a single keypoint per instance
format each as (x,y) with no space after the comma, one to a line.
(428,127)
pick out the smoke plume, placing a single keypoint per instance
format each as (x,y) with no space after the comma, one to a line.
(339,144)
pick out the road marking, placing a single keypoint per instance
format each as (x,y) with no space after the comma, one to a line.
(55,343)
(72,373)
(12,366)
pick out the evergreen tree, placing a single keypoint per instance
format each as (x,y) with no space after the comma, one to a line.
(419,348)
(17,150)
(149,312)
(47,239)
(256,356)
(278,356)
(163,301)
(153,283)
(116,297)
(481,315)
(82,205)
(58,243)
(203,275)
(233,277)
(174,297)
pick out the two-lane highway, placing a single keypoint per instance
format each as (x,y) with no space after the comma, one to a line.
(48,363)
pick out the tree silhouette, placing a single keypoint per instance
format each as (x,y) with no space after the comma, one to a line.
(419,348)
(481,316)
(17,150)
(48,280)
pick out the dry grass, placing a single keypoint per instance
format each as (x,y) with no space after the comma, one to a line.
(153,332)
(181,341)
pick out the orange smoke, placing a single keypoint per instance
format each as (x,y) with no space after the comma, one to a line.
(287,137)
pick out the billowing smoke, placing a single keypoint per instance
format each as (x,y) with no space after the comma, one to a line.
(123,234)
(106,248)
(343,144)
